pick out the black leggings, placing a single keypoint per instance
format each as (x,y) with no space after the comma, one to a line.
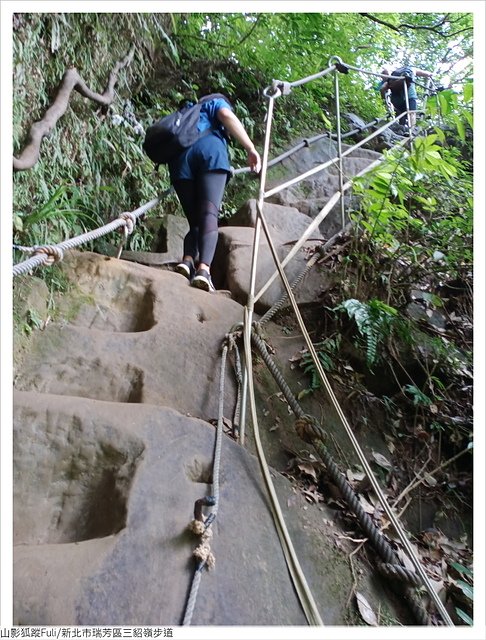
(201,199)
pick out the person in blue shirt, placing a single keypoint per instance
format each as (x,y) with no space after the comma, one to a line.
(199,176)
(397,98)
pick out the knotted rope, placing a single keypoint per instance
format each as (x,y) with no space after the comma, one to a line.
(44,256)
(309,430)
(201,525)
(130,221)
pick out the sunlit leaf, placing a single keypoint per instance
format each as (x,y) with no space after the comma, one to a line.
(468,90)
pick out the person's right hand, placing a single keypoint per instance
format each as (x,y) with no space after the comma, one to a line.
(254,160)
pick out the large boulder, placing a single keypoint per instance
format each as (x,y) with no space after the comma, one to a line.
(289,222)
(103,496)
(233,267)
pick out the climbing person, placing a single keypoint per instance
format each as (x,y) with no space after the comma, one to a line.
(199,175)
(395,90)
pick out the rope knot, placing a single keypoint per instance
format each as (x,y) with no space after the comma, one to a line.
(197,527)
(130,220)
(204,554)
(203,551)
(53,252)
(308,429)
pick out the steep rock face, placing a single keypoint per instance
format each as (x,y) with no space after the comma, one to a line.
(83,560)
(113,446)
(310,195)
(140,335)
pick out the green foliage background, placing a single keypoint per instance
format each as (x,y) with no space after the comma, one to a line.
(90,170)
(414,221)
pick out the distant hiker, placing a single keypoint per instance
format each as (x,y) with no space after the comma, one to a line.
(199,175)
(394,89)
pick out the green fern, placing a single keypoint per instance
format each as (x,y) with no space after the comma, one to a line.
(374,320)
(325,350)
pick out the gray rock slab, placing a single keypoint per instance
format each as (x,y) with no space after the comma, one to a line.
(136,335)
(141,574)
(234,255)
(287,221)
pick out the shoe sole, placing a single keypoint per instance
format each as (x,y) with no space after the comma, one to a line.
(202,283)
(183,271)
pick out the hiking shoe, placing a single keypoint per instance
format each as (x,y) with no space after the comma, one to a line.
(202,280)
(186,269)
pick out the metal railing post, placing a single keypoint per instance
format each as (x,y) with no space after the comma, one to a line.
(407,104)
(256,241)
(339,143)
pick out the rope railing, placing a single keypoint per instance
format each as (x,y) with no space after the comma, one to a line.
(52,253)
(285,87)
(307,142)
(47,254)
(328,163)
(201,525)
(273,93)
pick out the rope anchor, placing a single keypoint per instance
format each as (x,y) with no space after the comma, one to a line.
(129,220)
(54,253)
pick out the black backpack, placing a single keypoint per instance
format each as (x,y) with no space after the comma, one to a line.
(172,134)
(396,86)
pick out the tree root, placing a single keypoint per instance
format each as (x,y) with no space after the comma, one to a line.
(70,81)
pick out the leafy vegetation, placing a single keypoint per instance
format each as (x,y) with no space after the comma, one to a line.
(398,322)
(101,164)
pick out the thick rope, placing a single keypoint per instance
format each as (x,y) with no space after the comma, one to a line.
(283,299)
(239,383)
(44,255)
(310,431)
(201,527)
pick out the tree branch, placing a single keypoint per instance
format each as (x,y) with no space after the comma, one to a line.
(379,21)
(416,27)
(247,35)
(70,81)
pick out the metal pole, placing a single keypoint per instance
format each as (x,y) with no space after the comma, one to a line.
(256,241)
(339,145)
(409,115)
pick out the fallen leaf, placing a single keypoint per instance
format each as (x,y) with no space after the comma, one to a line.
(430,480)
(353,476)
(365,610)
(309,470)
(366,505)
(407,563)
(311,496)
(381,460)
